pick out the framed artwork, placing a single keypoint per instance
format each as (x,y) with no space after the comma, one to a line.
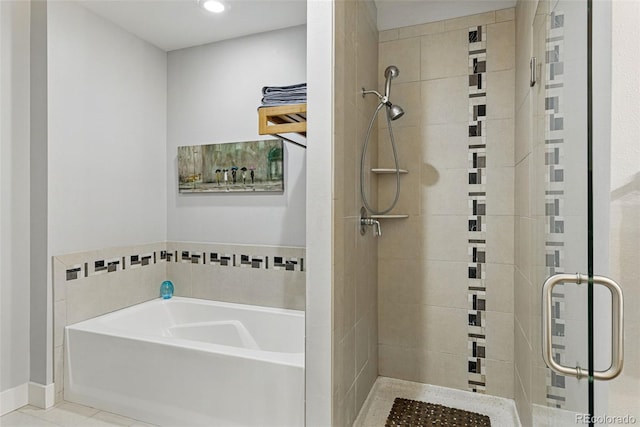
(246,167)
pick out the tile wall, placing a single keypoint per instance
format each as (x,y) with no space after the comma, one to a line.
(93,283)
(445,274)
(525,126)
(355,315)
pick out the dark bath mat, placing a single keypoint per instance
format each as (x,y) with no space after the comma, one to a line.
(413,413)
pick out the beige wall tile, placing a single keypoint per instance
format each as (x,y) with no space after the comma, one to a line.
(388,35)
(348,350)
(441,284)
(500,239)
(408,142)
(500,100)
(524,249)
(445,55)
(59,322)
(523,179)
(522,358)
(400,239)
(58,369)
(525,11)
(181,275)
(408,96)
(87,298)
(404,54)
(499,336)
(468,21)
(361,352)
(500,191)
(442,369)
(523,404)
(398,327)
(447,195)
(500,150)
(523,140)
(447,331)
(399,279)
(506,14)
(445,100)
(421,30)
(398,362)
(409,199)
(59,280)
(365,381)
(500,378)
(501,41)
(446,146)
(445,238)
(500,280)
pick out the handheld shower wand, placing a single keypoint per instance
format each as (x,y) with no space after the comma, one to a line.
(391,72)
(394,112)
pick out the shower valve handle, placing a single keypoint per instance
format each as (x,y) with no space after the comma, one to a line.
(377,231)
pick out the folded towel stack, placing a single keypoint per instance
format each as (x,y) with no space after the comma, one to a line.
(281,95)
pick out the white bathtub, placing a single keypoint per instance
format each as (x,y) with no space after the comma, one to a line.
(189,362)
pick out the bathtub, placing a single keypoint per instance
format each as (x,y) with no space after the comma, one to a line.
(190,362)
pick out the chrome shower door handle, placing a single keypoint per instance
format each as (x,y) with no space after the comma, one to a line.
(617,326)
(533,78)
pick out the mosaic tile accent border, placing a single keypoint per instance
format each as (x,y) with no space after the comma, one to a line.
(477,192)
(554,195)
(239,259)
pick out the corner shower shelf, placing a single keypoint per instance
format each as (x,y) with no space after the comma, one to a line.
(286,121)
(397,216)
(387,170)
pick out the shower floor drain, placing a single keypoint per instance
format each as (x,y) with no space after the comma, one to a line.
(413,413)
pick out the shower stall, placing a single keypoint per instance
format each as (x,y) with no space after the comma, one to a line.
(512,174)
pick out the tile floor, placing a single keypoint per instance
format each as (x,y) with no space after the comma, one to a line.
(66,414)
(377,406)
(373,414)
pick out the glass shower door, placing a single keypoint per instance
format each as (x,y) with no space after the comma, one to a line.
(577,316)
(560,207)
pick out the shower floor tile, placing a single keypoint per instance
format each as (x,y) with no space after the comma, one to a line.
(376,408)
(66,414)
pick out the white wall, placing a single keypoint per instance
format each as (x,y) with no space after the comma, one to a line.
(213,93)
(107,150)
(14,203)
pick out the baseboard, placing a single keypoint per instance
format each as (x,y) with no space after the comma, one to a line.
(14,398)
(42,396)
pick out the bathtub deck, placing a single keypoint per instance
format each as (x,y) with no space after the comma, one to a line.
(66,414)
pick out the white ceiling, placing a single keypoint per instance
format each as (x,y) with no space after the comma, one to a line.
(176,24)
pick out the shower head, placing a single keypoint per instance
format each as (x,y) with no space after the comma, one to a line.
(391,72)
(395,111)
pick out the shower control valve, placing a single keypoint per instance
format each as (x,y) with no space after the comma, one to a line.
(377,231)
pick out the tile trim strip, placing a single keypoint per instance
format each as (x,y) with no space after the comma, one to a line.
(477,205)
(554,194)
(236,259)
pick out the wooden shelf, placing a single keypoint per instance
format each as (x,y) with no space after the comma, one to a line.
(286,121)
(387,170)
(398,216)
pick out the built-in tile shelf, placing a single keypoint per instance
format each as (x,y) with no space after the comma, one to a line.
(396,216)
(387,170)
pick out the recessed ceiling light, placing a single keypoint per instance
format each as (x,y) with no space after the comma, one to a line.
(213,6)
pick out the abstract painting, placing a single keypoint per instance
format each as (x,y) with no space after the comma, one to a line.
(249,166)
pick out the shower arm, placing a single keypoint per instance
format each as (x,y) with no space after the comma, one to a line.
(383,99)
